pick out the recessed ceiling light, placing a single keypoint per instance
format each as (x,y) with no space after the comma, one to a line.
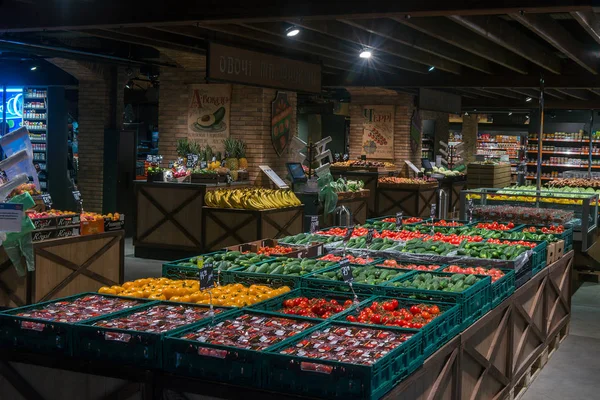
(33,68)
(466,113)
(292,31)
(510,113)
(365,53)
(528,99)
(431,68)
(527,116)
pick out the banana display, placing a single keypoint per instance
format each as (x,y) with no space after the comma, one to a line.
(251,198)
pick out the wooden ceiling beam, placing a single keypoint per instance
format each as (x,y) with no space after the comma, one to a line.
(330,59)
(347,33)
(590,22)
(552,32)
(392,30)
(502,92)
(595,91)
(503,34)
(554,93)
(526,92)
(458,36)
(480,93)
(575,93)
(507,104)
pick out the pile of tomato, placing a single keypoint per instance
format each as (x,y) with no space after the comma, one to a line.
(314,308)
(495,273)
(409,220)
(495,226)
(358,231)
(353,260)
(445,223)
(267,251)
(452,238)
(394,264)
(512,243)
(548,230)
(388,313)
(401,235)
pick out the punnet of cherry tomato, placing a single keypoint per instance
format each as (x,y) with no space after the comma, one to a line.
(395,313)
(495,226)
(353,260)
(513,243)
(314,307)
(494,273)
(419,267)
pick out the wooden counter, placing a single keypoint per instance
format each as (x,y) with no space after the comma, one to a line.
(168,218)
(369,178)
(412,200)
(495,358)
(64,267)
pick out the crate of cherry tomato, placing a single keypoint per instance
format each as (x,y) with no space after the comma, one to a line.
(50,327)
(354,260)
(271,248)
(539,254)
(311,303)
(471,292)
(389,222)
(447,223)
(391,263)
(498,226)
(135,337)
(231,348)
(503,280)
(438,321)
(561,232)
(342,360)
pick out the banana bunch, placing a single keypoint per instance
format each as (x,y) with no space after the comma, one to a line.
(251,198)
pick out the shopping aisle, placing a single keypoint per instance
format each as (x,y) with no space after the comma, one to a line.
(572,373)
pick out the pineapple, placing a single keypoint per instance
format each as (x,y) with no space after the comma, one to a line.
(234,174)
(231,161)
(242,160)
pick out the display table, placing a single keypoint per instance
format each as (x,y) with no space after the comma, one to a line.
(453,186)
(168,218)
(497,357)
(356,202)
(369,177)
(64,267)
(413,200)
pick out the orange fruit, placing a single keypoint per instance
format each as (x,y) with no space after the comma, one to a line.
(186,299)
(175,298)
(128,285)
(107,290)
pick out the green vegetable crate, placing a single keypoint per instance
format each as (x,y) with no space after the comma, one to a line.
(502,288)
(337,380)
(474,300)
(275,305)
(378,223)
(217,362)
(539,256)
(130,347)
(567,235)
(278,272)
(331,280)
(435,334)
(43,336)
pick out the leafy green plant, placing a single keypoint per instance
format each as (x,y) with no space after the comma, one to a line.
(183,147)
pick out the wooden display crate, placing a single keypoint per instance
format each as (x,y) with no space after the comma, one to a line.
(488,175)
(370,181)
(414,200)
(355,202)
(314,250)
(223,227)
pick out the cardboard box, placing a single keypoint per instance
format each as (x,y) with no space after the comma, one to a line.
(39,236)
(560,249)
(63,221)
(551,253)
(92,227)
(111,225)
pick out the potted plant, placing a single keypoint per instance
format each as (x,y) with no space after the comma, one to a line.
(155,174)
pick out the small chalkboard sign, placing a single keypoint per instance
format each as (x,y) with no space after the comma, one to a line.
(47,199)
(346,270)
(348,234)
(314,223)
(369,238)
(207,277)
(399,220)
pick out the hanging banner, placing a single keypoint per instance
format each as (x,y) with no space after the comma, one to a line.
(281,122)
(208,114)
(378,132)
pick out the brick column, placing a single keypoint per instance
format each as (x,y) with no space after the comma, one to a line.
(469,134)
(441,130)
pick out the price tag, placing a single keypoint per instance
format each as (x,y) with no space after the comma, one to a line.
(346,270)
(471,207)
(314,223)
(229,178)
(203,164)
(345,157)
(348,234)
(399,222)
(433,210)
(149,158)
(207,277)
(47,199)
(190,161)
(171,163)
(369,238)
(76,195)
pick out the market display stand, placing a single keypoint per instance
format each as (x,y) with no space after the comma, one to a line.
(356,202)
(414,200)
(369,176)
(64,267)
(168,218)
(495,358)
(453,186)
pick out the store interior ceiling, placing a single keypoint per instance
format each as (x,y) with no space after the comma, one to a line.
(491,54)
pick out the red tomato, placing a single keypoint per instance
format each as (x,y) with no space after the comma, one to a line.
(351,318)
(376,319)
(415,309)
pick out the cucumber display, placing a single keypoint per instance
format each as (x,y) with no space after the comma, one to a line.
(378,244)
(434,248)
(368,275)
(455,283)
(288,266)
(491,251)
(308,238)
(226,261)
(380,225)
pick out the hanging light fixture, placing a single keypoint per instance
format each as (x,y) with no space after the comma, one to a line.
(292,31)
(365,53)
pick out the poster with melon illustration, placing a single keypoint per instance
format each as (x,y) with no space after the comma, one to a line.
(208,114)
(281,122)
(378,131)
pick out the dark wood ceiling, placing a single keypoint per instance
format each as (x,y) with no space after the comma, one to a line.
(490,54)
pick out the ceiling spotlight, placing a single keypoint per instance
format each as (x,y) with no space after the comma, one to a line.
(528,99)
(466,113)
(431,68)
(510,113)
(527,116)
(129,84)
(365,53)
(292,31)
(33,68)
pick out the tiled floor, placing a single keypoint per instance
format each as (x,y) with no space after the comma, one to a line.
(572,373)
(574,370)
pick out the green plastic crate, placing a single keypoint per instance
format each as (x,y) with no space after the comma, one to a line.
(310,282)
(375,259)
(276,304)
(539,257)
(42,336)
(173,270)
(295,375)
(435,334)
(502,288)
(567,235)
(218,363)
(141,349)
(474,302)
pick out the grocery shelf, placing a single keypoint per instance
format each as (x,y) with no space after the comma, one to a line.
(563,152)
(544,178)
(563,140)
(565,165)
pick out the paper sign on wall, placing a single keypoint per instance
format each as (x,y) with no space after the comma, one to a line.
(378,131)
(11,216)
